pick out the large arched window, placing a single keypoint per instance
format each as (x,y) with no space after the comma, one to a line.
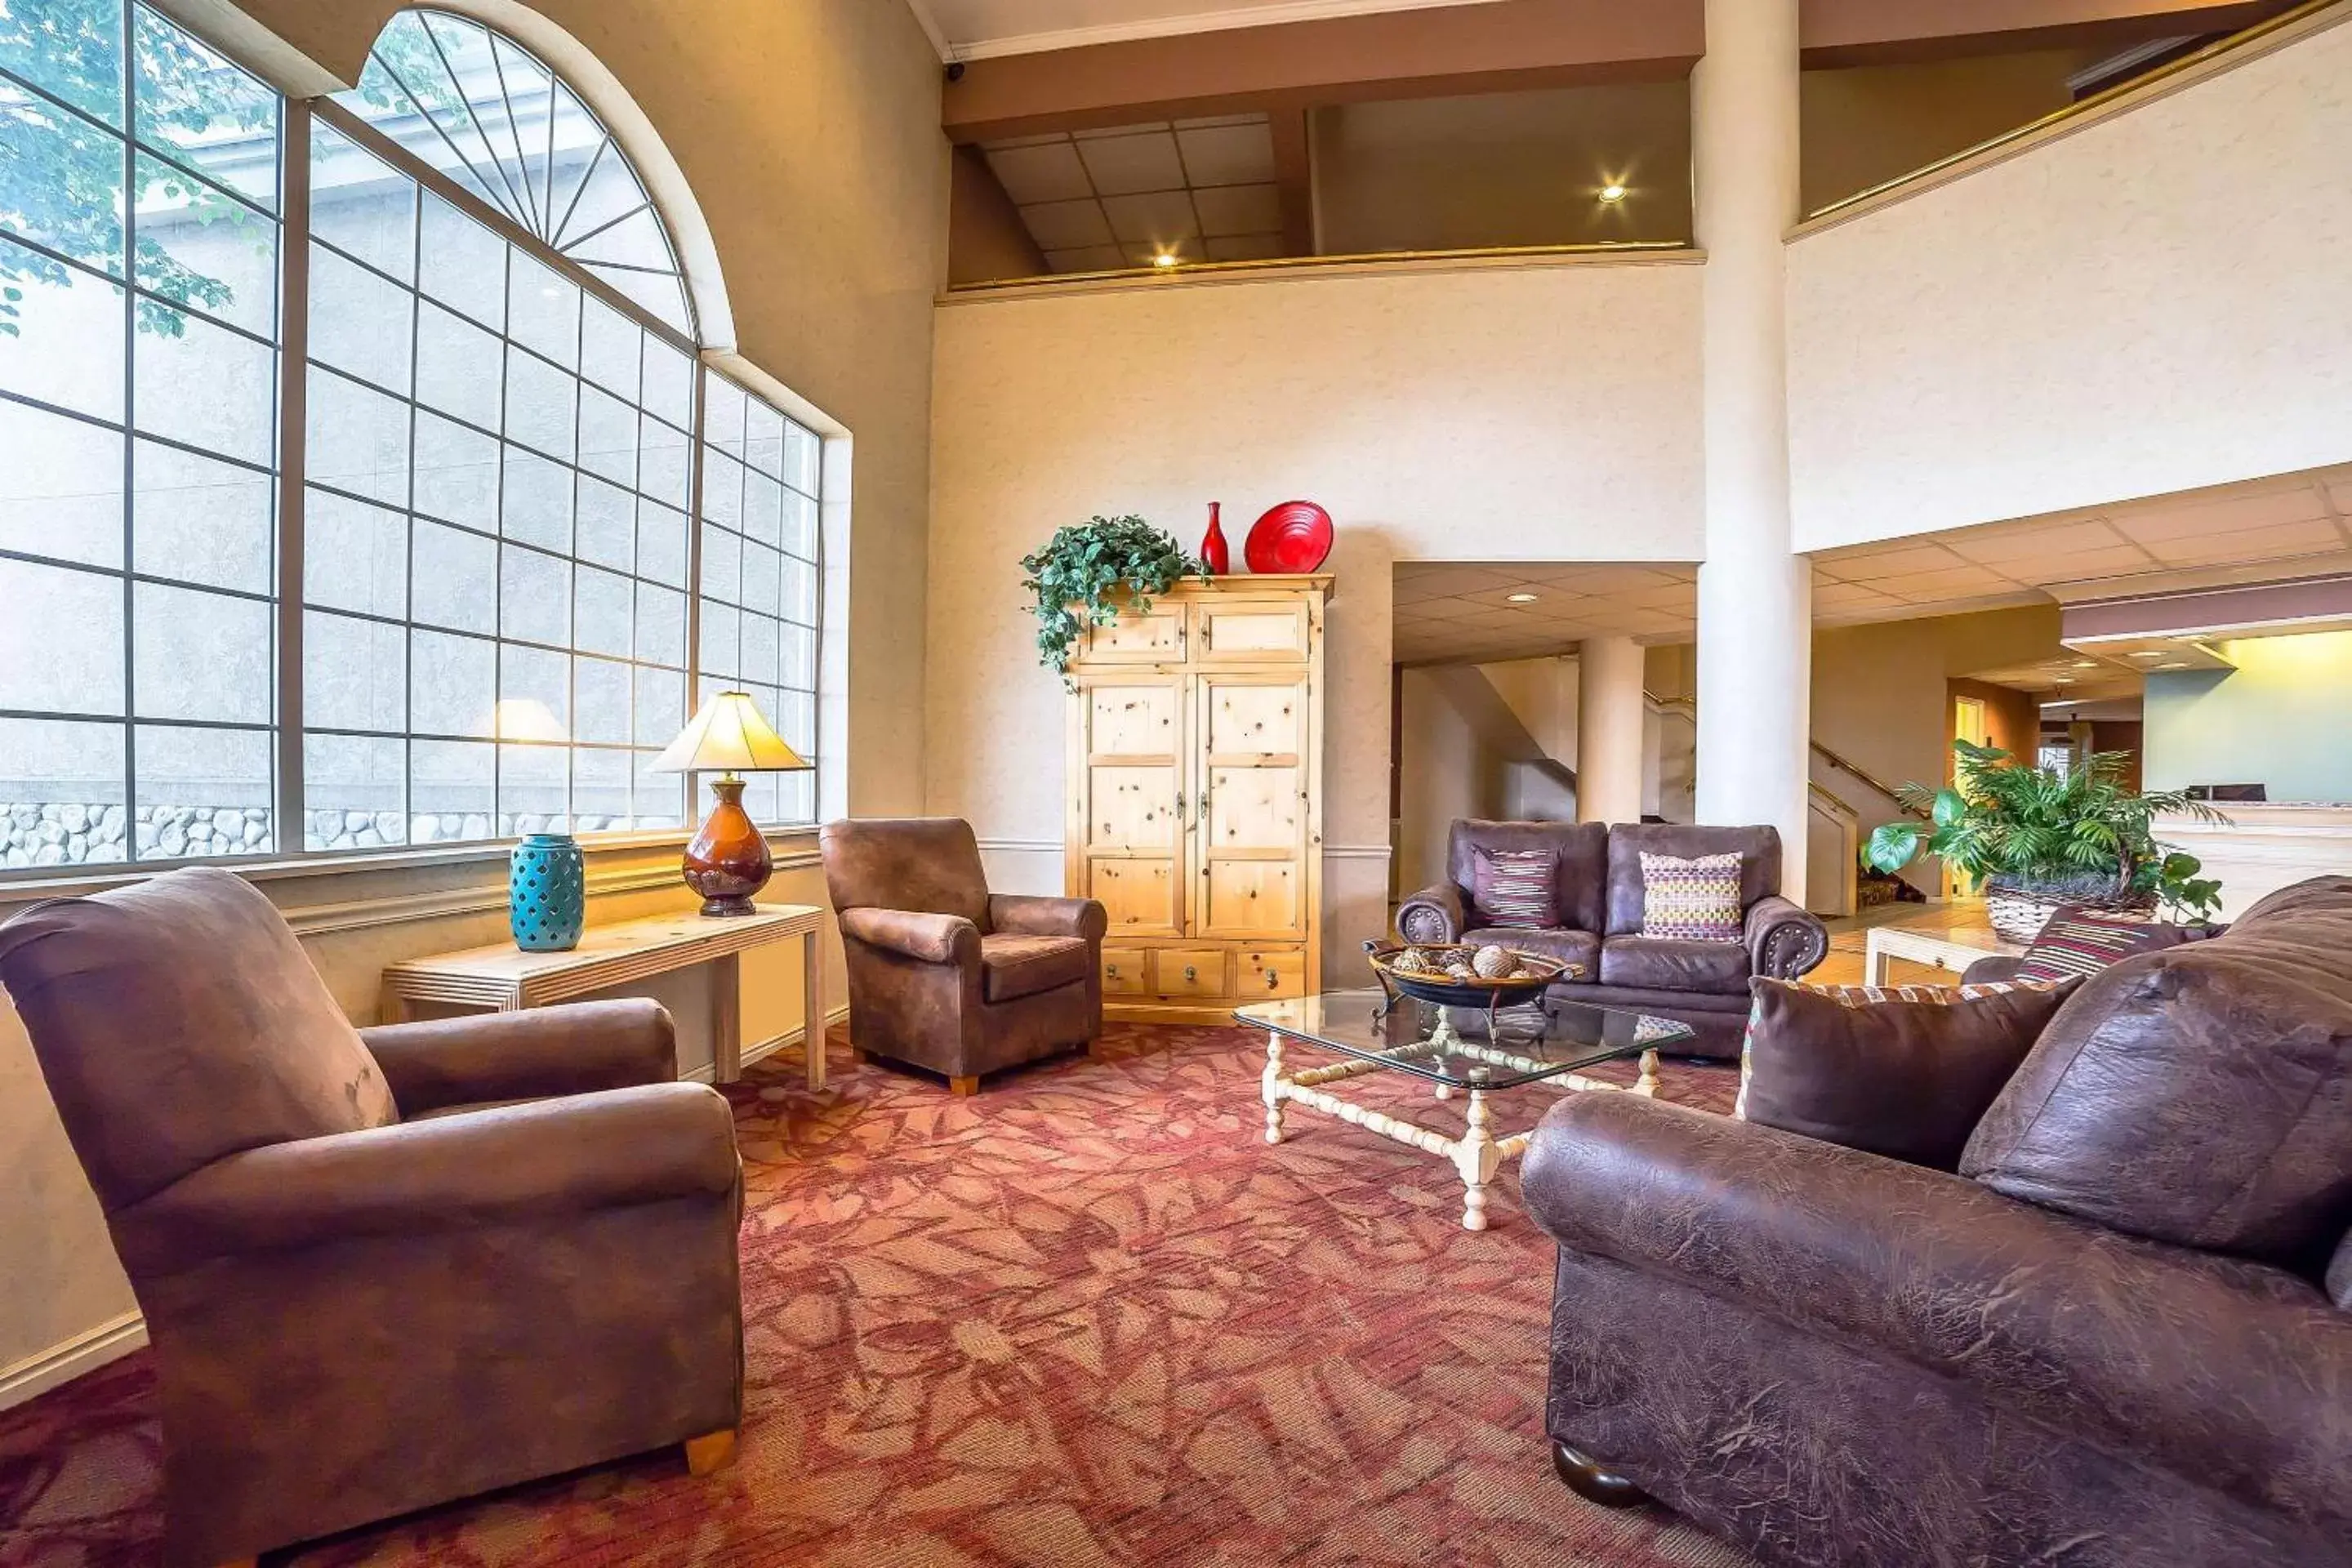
(423,526)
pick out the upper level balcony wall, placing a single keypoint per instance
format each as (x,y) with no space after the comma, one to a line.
(2150,302)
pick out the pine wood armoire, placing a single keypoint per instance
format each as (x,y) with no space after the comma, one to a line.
(1195,809)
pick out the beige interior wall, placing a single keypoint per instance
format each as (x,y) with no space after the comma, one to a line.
(1475,412)
(986,238)
(809,129)
(1511,168)
(2149,304)
(1863,125)
(1444,773)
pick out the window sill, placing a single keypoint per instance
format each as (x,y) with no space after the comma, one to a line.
(792,847)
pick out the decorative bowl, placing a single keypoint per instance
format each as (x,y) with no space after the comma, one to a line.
(1479,990)
(1295,536)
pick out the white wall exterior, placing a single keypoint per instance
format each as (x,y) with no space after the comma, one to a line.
(2153,303)
(1484,413)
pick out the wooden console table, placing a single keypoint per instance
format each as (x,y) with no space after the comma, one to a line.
(1950,951)
(499,978)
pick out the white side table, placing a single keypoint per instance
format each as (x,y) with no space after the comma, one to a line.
(1951,950)
(499,978)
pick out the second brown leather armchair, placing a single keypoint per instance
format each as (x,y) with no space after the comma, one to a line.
(382,1268)
(944,973)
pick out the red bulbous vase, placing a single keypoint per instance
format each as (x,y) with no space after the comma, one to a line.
(728,861)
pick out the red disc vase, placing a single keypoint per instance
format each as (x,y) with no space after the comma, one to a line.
(1214,555)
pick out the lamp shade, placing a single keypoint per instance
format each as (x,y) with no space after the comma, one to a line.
(730,733)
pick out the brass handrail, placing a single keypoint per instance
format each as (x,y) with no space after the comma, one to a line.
(1846,765)
(2097,100)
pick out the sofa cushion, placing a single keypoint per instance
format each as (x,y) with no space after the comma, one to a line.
(1692,900)
(2202,1095)
(2339,1274)
(1582,849)
(1758,849)
(1516,888)
(1904,1071)
(1012,966)
(2077,943)
(1581,948)
(1659,964)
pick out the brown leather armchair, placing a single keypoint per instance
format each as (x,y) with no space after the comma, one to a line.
(944,973)
(380,1269)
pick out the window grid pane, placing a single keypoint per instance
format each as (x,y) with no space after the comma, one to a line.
(758,589)
(141,622)
(524,615)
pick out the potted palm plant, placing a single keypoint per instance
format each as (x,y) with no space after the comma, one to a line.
(2040,839)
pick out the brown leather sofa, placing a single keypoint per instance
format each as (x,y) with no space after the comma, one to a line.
(2121,1337)
(1599,891)
(944,973)
(380,1269)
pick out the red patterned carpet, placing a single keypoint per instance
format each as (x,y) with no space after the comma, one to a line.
(1087,1317)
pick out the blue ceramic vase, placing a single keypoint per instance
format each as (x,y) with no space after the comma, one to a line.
(547,893)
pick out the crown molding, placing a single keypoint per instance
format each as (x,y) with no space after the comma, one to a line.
(1225,19)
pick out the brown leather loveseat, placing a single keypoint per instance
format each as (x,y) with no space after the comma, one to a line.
(1599,893)
(380,1269)
(2120,1337)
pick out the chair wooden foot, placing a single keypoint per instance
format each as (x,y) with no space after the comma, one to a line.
(1589,1478)
(709,1453)
(963,1087)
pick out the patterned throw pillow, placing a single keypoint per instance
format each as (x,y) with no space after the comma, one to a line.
(2078,943)
(1692,901)
(1905,1071)
(1517,888)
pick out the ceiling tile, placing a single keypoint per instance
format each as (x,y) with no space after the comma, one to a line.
(1159,216)
(1106,132)
(1047,173)
(2122,561)
(1241,247)
(1208,120)
(1146,253)
(1445,578)
(1228,155)
(1057,225)
(1038,141)
(1087,258)
(2007,545)
(1881,561)
(2340,492)
(2237,514)
(2248,544)
(1952,582)
(1121,166)
(1239,209)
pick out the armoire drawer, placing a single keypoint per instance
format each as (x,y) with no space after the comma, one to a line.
(1189,971)
(1270,972)
(1125,972)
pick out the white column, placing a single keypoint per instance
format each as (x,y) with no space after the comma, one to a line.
(1609,730)
(1754,633)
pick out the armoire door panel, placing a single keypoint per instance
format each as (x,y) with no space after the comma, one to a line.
(1251,898)
(1139,894)
(1248,719)
(1156,636)
(1131,808)
(1253,808)
(1132,719)
(1263,631)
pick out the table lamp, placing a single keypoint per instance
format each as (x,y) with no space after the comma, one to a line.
(727,862)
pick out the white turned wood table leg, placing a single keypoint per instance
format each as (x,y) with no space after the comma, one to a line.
(1647,1084)
(1271,1085)
(1476,1157)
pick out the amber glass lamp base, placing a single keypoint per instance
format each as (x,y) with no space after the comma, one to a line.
(728,861)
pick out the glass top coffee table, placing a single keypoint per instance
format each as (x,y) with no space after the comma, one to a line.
(1450,1047)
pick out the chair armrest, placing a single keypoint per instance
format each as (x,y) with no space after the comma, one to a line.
(547,1161)
(1433,915)
(535,1054)
(2138,1345)
(1027,914)
(1992,969)
(916,933)
(1783,941)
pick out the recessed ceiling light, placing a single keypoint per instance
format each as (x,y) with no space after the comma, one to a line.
(1519,598)
(2175,663)
(2148,652)
(2086,664)
(1612,193)
(1164,258)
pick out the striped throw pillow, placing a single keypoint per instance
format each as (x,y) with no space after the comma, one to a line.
(1691,901)
(2078,943)
(1517,888)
